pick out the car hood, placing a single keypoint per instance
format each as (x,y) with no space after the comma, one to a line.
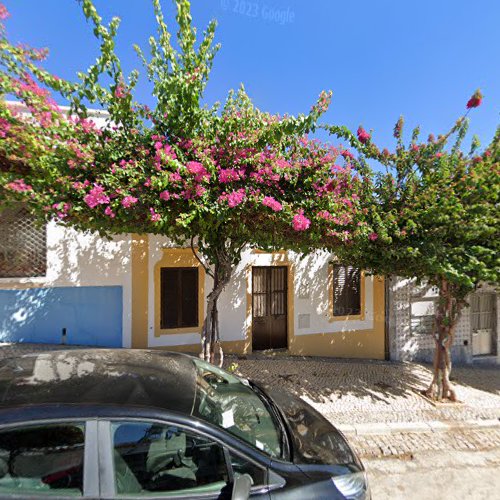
(314,439)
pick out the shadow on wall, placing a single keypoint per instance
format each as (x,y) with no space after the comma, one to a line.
(68,298)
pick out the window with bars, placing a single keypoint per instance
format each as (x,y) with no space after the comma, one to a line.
(23,244)
(179,297)
(482,311)
(346,291)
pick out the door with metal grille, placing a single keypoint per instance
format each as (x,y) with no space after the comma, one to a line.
(483,323)
(269,307)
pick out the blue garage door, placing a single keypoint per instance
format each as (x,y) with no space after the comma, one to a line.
(90,315)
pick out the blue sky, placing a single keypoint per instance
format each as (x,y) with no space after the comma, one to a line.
(381,58)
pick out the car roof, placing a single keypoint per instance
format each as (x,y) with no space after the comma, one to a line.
(124,377)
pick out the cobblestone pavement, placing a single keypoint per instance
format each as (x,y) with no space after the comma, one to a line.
(360,391)
(406,445)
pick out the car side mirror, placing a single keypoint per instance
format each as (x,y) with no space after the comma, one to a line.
(241,487)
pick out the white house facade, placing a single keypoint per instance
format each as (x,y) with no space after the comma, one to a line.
(60,285)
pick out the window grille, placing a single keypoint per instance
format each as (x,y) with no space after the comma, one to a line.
(23,244)
(482,311)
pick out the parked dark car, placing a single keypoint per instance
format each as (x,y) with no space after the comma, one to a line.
(149,424)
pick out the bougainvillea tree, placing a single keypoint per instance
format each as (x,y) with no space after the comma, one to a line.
(216,179)
(434,215)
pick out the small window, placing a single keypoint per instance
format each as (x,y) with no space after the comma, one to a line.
(42,460)
(23,244)
(179,297)
(346,291)
(243,466)
(483,311)
(167,460)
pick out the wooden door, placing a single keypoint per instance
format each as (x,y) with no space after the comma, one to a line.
(269,307)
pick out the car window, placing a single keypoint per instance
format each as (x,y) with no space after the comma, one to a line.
(243,466)
(43,460)
(226,401)
(165,460)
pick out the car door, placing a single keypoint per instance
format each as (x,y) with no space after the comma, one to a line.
(148,458)
(48,458)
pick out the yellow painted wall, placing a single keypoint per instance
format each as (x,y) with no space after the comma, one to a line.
(369,344)
(140,271)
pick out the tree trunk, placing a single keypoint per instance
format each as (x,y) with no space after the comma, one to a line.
(210,337)
(446,318)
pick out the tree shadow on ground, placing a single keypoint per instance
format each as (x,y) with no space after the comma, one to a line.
(484,378)
(324,380)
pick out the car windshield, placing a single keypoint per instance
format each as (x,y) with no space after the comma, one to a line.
(229,402)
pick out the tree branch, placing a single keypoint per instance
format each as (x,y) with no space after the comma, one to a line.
(207,269)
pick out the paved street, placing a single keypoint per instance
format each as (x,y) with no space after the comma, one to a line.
(443,475)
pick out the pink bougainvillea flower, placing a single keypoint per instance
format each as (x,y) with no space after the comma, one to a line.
(19,185)
(4,13)
(228,175)
(96,196)
(475,100)
(5,126)
(325,214)
(363,135)
(199,190)
(198,170)
(373,236)
(155,217)
(165,195)
(300,222)
(109,212)
(273,204)
(347,155)
(174,177)
(236,198)
(120,91)
(128,201)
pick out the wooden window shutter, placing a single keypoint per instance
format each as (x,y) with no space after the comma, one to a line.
(347,291)
(179,297)
(189,297)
